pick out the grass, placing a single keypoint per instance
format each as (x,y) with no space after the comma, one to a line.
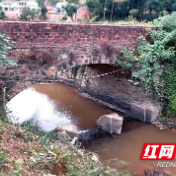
(26,152)
(128,21)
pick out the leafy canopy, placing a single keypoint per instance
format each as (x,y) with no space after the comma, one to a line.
(94,6)
(72,7)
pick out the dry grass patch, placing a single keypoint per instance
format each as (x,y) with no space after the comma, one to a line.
(26,152)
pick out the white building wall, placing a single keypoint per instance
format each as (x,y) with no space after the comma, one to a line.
(14,6)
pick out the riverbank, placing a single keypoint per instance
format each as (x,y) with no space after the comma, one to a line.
(24,151)
(84,113)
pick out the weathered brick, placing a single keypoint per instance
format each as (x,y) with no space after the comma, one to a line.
(75,33)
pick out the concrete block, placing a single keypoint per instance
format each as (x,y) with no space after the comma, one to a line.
(137,112)
(144,113)
(151,115)
(111,123)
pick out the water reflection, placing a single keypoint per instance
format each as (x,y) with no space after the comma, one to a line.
(30,105)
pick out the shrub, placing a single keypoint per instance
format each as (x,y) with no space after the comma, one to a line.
(166,92)
(2,15)
(5,45)
(28,14)
(155,63)
(134,12)
(64,18)
(148,17)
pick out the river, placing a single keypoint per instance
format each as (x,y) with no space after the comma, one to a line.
(71,107)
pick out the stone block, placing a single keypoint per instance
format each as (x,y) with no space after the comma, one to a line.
(144,113)
(151,114)
(111,123)
(137,112)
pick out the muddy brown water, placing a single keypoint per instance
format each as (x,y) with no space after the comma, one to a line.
(126,147)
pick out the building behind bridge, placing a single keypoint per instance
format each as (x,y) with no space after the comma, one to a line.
(13,9)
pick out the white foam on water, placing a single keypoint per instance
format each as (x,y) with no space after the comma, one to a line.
(30,105)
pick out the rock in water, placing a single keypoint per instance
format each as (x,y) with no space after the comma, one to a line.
(71,130)
(111,123)
(85,135)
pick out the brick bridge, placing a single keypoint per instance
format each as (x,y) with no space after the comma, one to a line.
(44,49)
(74,44)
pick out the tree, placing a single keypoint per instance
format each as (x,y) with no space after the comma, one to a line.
(121,10)
(2,15)
(95,7)
(71,9)
(159,6)
(174,6)
(43,12)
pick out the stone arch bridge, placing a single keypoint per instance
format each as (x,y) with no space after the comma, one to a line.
(44,49)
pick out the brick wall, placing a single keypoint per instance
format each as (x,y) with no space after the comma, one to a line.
(42,34)
(74,44)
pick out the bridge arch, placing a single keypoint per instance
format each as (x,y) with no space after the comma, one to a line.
(43,49)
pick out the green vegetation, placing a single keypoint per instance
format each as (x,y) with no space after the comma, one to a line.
(28,14)
(112,10)
(82,69)
(94,6)
(43,12)
(154,63)
(74,71)
(24,151)
(5,45)
(2,15)
(71,8)
(139,9)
